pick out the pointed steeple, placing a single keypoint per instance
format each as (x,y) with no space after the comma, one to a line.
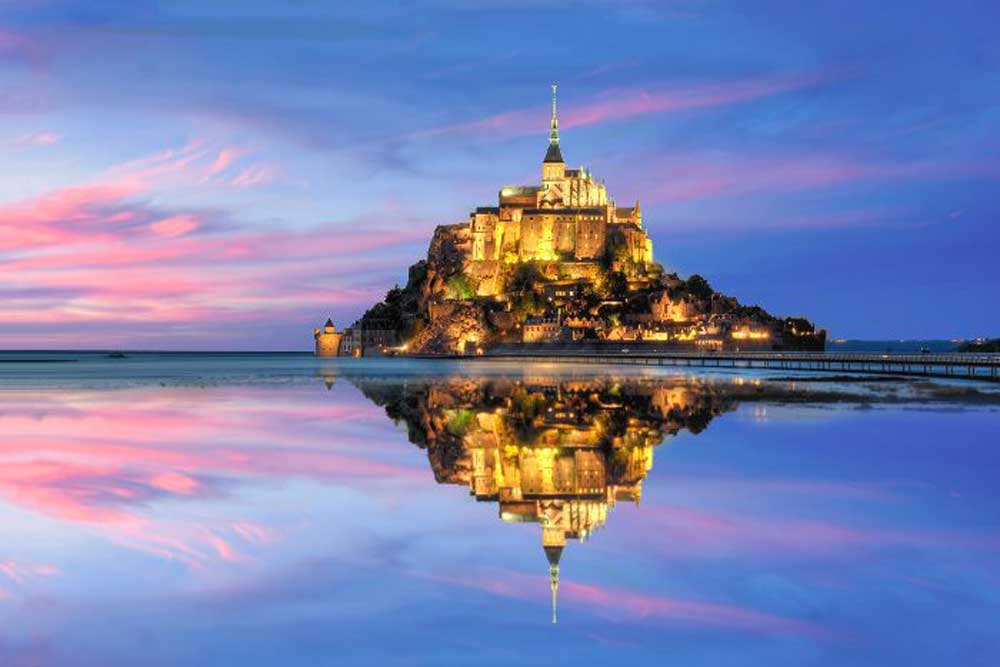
(553,154)
(552,554)
(554,125)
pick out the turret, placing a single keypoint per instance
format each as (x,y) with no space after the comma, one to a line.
(327,340)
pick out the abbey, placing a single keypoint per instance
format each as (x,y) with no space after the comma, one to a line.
(557,262)
(569,217)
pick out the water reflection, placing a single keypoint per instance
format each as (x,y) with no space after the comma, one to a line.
(266,514)
(553,451)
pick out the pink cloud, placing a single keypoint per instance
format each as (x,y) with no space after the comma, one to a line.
(19,572)
(175,482)
(683,178)
(253,533)
(58,217)
(100,253)
(695,612)
(629,103)
(21,46)
(88,458)
(185,163)
(224,549)
(177,225)
(625,103)
(621,602)
(38,139)
(687,531)
(99,462)
(225,158)
(255,176)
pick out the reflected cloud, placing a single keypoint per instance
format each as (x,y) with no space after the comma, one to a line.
(223,483)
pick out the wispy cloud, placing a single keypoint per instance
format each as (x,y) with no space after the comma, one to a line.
(255,176)
(154,449)
(619,104)
(226,157)
(44,138)
(690,177)
(101,252)
(96,461)
(23,48)
(634,604)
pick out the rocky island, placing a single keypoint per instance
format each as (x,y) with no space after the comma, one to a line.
(555,262)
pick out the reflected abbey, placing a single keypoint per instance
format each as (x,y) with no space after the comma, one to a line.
(548,450)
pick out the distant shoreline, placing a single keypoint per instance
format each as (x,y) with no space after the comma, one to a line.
(893,346)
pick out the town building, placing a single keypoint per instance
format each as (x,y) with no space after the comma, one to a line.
(350,344)
(540,329)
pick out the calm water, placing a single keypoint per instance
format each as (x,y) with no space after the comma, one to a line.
(279,510)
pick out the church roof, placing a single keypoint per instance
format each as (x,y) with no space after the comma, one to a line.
(519,189)
(591,210)
(553,154)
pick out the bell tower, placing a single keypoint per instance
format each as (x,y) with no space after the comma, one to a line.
(553,166)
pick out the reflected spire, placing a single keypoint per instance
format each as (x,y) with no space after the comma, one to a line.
(553,554)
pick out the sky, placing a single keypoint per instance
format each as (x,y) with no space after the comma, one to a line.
(192,175)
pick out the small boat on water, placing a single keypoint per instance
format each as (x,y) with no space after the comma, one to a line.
(117,355)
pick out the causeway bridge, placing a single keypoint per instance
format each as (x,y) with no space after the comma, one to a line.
(967,366)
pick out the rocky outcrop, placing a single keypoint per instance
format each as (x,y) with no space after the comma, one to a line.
(452,305)
(454,328)
(449,248)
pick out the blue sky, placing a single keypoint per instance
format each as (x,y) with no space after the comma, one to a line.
(206,175)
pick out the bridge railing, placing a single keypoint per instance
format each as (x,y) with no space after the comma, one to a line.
(950,365)
(961,359)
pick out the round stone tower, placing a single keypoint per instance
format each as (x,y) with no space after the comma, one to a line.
(327,340)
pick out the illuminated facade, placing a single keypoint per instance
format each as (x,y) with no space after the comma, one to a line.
(568,217)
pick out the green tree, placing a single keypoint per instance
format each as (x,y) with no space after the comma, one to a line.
(698,287)
(616,286)
(525,277)
(461,287)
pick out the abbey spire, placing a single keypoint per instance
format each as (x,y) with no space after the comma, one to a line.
(553,154)
(554,125)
